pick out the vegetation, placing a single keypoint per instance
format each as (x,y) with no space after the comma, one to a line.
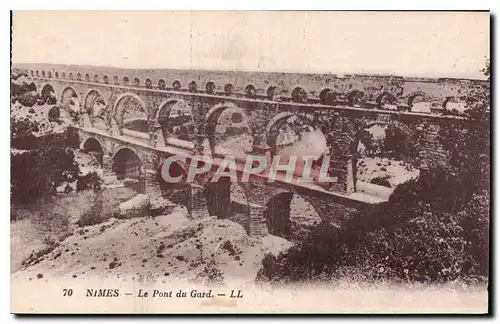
(381,181)
(46,160)
(432,229)
(89,181)
(37,173)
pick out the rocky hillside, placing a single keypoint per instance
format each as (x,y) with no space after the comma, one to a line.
(206,250)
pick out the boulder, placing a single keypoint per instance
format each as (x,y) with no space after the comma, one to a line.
(137,206)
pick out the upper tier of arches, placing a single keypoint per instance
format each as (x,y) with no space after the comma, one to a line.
(388,97)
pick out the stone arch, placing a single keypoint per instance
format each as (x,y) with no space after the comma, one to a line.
(407,131)
(37,73)
(278,120)
(70,75)
(105,79)
(56,75)
(126,80)
(49,74)
(299,94)
(229,89)
(43,74)
(250,91)
(454,104)
(179,125)
(139,113)
(63,75)
(226,122)
(148,83)
(126,163)
(87,77)
(177,85)
(210,87)
(54,114)
(354,97)
(293,136)
(193,87)
(328,96)
(385,96)
(410,135)
(322,93)
(79,76)
(116,80)
(32,73)
(96,78)
(278,213)
(48,95)
(69,98)
(271,91)
(413,95)
(136,82)
(452,99)
(162,85)
(92,146)
(95,106)
(446,100)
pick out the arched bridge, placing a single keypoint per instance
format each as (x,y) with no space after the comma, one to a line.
(133,125)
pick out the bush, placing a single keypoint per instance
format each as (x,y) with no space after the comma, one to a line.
(211,275)
(89,181)
(230,248)
(39,172)
(98,206)
(21,133)
(429,247)
(54,114)
(424,233)
(320,254)
(398,144)
(381,181)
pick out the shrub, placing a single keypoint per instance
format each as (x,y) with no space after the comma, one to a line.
(230,248)
(320,254)
(54,114)
(39,172)
(381,181)
(424,233)
(97,206)
(211,274)
(93,215)
(89,181)
(21,133)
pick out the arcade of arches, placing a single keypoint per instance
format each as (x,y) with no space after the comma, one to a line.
(132,133)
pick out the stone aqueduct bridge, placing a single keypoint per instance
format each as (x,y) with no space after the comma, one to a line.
(131,128)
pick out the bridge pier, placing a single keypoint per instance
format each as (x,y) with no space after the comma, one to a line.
(107,163)
(198,206)
(152,186)
(258,225)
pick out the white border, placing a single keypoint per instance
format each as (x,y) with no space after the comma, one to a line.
(492,5)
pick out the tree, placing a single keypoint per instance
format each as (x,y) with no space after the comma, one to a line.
(38,173)
(434,228)
(366,138)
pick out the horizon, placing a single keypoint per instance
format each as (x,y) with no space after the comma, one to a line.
(338,75)
(436,44)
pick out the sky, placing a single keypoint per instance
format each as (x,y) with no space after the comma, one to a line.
(431,44)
